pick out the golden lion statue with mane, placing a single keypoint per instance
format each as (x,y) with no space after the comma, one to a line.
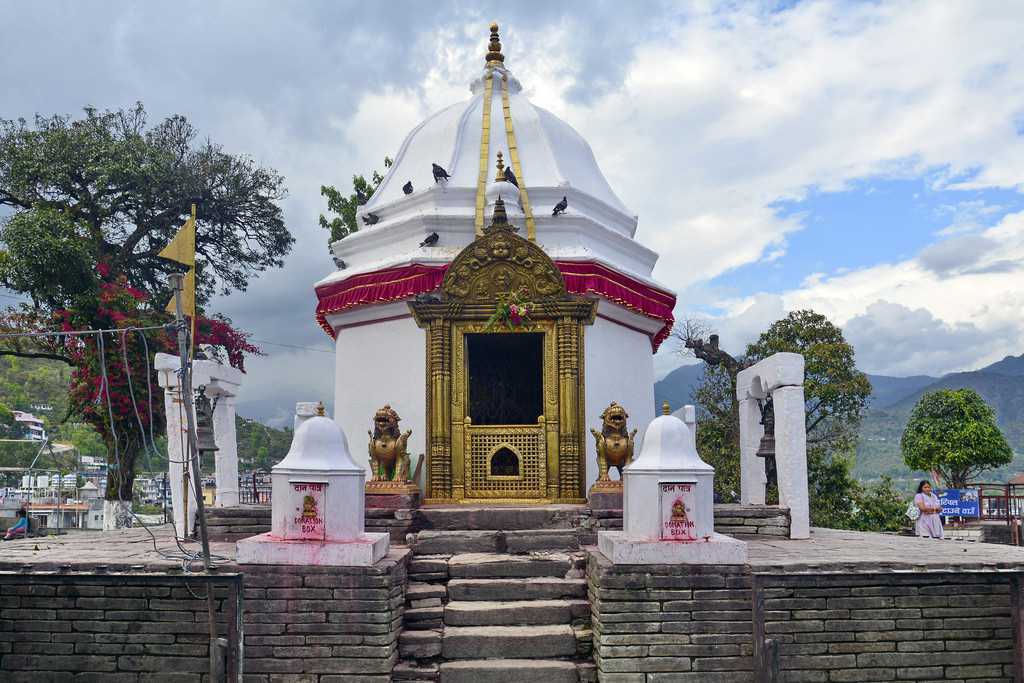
(614,442)
(389,460)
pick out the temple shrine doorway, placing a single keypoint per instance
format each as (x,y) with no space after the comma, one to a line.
(505,398)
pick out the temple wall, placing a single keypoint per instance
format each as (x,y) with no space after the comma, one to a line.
(658,623)
(618,366)
(375,364)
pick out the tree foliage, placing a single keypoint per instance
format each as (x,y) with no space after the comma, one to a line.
(92,202)
(880,507)
(953,432)
(346,207)
(105,188)
(835,391)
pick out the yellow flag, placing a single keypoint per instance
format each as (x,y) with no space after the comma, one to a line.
(182,249)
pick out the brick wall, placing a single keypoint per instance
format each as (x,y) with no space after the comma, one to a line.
(670,623)
(327,624)
(941,626)
(660,623)
(115,627)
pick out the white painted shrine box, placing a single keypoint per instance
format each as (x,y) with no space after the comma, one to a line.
(668,505)
(668,490)
(317,505)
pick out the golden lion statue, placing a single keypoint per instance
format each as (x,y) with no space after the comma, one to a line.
(389,460)
(614,443)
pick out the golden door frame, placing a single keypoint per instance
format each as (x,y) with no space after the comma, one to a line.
(492,266)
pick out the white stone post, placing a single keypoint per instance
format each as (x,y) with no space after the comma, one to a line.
(753,478)
(226,457)
(791,457)
(177,446)
(221,382)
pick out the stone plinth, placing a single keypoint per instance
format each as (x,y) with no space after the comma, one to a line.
(605,497)
(269,549)
(715,549)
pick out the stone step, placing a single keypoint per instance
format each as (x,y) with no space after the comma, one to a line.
(508,642)
(416,590)
(422,618)
(545,588)
(509,671)
(497,517)
(515,612)
(502,566)
(446,542)
(422,644)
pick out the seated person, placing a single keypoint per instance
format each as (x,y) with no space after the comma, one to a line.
(20,528)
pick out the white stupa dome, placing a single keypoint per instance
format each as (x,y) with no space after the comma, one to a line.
(551,153)
(319,445)
(668,445)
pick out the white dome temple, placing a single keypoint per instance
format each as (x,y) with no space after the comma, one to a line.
(501,407)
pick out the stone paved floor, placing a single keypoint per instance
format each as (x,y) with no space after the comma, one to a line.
(827,550)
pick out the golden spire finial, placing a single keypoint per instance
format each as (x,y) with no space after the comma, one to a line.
(666,409)
(320,408)
(500,177)
(494,56)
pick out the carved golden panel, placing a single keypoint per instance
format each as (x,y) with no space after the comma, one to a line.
(526,442)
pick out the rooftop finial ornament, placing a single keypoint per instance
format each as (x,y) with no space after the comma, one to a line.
(494,56)
(500,175)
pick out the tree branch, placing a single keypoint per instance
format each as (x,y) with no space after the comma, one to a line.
(37,354)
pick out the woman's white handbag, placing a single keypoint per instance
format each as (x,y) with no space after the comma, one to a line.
(913,512)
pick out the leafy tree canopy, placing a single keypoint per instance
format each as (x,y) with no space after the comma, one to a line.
(107,188)
(953,432)
(346,207)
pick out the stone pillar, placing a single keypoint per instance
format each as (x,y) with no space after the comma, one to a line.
(226,457)
(753,479)
(182,504)
(791,457)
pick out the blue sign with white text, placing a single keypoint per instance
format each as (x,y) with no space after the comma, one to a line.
(958,502)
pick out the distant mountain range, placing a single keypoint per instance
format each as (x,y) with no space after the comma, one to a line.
(1001,384)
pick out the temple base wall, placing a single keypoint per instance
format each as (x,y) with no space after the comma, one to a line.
(657,623)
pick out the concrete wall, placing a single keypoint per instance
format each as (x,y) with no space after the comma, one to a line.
(656,624)
(618,366)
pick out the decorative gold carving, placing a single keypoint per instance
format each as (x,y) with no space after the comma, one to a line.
(500,262)
(494,56)
(389,458)
(614,446)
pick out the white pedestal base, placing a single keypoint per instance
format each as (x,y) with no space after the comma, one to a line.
(266,549)
(718,549)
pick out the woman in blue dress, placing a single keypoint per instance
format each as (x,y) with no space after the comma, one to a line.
(20,528)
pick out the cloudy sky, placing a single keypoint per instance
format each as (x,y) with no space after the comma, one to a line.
(865,160)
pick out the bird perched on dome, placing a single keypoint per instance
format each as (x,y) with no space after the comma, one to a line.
(510,176)
(430,241)
(560,207)
(371,219)
(439,173)
(407,188)
(360,197)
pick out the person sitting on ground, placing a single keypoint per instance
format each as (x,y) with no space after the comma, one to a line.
(928,524)
(20,528)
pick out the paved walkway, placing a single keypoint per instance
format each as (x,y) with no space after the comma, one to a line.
(828,550)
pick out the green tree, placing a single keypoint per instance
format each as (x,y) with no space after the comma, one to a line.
(835,391)
(880,507)
(346,207)
(91,202)
(953,432)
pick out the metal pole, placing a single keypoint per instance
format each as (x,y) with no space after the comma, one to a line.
(59,482)
(177,280)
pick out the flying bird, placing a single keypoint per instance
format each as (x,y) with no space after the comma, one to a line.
(439,173)
(407,188)
(430,241)
(510,176)
(371,219)
(560,207)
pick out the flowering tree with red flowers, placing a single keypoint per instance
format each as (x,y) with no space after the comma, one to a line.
(86,206)
(113,383)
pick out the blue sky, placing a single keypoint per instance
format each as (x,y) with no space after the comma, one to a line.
(862,159)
